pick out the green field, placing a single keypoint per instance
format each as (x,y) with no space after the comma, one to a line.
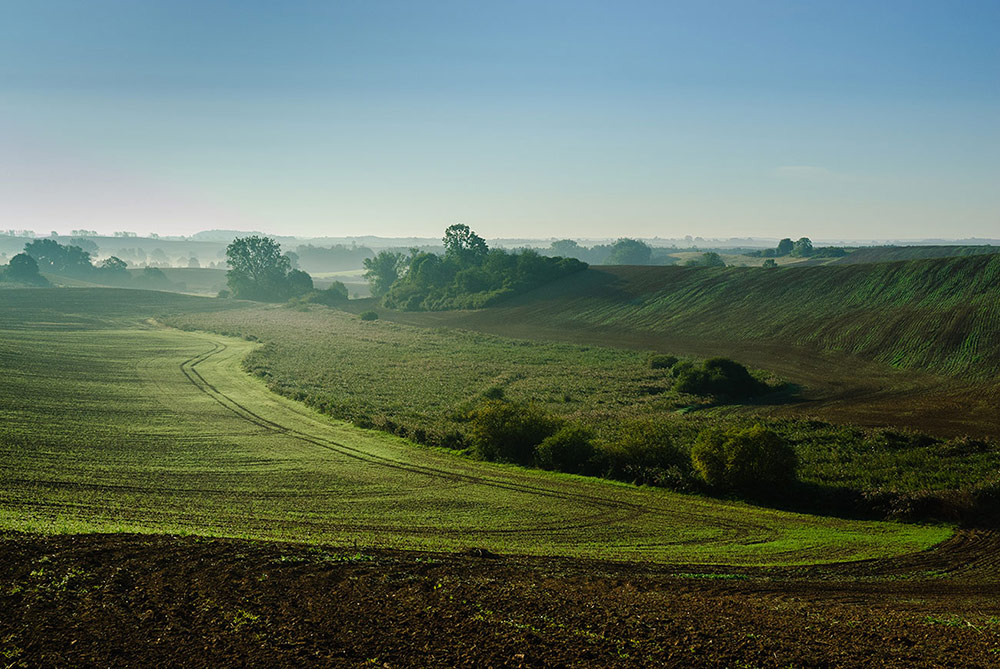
(403,378)
(112,423)
(939,315)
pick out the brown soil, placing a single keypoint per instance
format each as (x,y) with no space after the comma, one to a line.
(129,600)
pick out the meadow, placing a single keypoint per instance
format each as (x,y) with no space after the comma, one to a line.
(422,382)
(114,423)
(938,315)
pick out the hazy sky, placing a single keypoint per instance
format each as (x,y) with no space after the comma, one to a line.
(534,119)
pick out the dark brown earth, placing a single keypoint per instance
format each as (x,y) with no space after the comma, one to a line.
(130,600)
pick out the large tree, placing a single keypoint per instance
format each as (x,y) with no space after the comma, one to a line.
(627,251)
(463,245)
(383,270)
(258,270)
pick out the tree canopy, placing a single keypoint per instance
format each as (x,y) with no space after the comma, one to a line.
(259,271)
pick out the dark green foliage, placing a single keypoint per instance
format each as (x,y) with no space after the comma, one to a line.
(383,270)
(710,259)
(720,377)
(627,251)
(258,271)
(471,276)
(571,450)
(509,432)
(369,316)
(752,460)
(333,296)
(661,361)
(785,247)
(463,246)
(803,248)
(23,269)
(769,263)
(52,256)
(643,452)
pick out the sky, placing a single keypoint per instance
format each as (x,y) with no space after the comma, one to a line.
(832,120)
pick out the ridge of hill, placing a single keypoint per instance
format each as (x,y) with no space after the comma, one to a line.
(878,254)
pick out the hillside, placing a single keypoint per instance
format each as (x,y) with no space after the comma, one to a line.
(937,315)
(897,253)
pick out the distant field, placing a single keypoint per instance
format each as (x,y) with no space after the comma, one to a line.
(110,423)
(897,253)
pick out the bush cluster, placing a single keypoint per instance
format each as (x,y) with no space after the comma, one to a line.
(752,460)
(720,377)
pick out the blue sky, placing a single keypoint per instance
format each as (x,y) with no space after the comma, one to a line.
(542,119)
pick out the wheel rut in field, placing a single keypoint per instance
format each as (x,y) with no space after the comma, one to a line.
(609,511)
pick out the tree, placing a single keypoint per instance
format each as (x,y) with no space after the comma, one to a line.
(463,245)
(383,270)
(257,271)
(770,263)
(298,283)
(627,251)
(710,259)
(114,264)
(784,247)
(802,248)
(751,460)
(24,269)
(566,248)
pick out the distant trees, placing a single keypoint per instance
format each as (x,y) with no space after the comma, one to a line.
(383,270)
(627,251)
(468,275)
(258,271)
(52,256)
(23,269)
(710,259)
(803,248)
(784,247)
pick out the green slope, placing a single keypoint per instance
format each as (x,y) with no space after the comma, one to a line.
(938,315)
(113,424)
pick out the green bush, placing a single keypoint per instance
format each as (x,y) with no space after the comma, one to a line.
(752,460)
(369,316)
(508,432)
(721,377)
(643,452)
(571,449)
(659,361)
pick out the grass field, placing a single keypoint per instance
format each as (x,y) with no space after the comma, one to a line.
(390,375)
(937,316)
(111,423)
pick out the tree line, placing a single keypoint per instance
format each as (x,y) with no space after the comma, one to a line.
(70,260)
(469,275)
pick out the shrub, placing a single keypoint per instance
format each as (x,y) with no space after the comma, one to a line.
(721,377)
(751,460)
(644,452)
(369,316)
(509,432)
(659,361)
(571,449)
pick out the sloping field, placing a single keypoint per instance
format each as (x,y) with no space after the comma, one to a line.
(109,425)
(934,315)
(898,253)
